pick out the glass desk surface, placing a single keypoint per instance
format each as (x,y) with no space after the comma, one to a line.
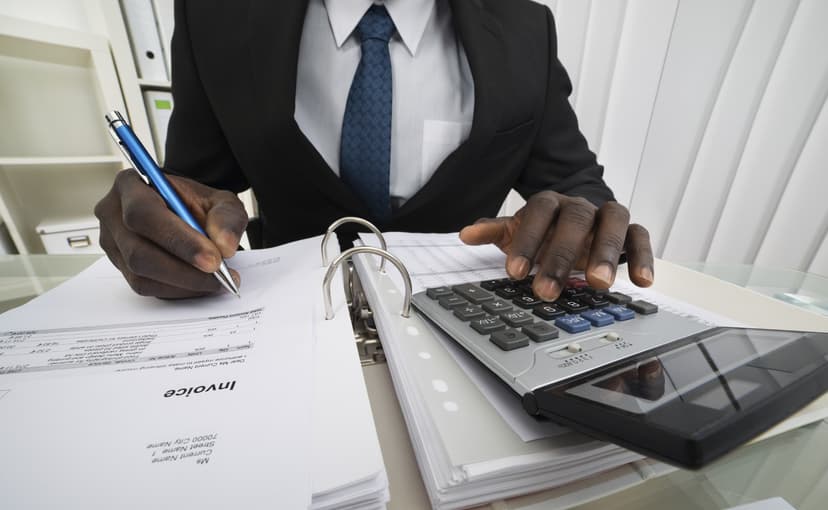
(806,290)
(793,465)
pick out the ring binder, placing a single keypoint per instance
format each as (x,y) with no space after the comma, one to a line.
(347,254)
(352,219)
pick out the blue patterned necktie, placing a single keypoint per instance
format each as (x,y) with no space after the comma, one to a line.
(365,150)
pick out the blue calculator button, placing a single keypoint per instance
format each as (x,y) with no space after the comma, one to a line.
(598,318)
(621,313)
(572,324)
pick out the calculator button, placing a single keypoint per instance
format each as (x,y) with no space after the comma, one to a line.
(508,292)
(572,323)
(618,298)
(571,305)
(540,331)
(469,312)
(595,317)
(571,293)
(526,281)
(574,348)
(492,284)
(508,339)
(516,318)
(449,302)
(496,306)
(473,293)
(526,290)
(526,302)
(548,311)
(577,283)
(487,325)
(593,301)
(438,292)
(621,313)
(643,307)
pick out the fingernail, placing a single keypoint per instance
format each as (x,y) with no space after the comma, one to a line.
(206,262)
(646,274)
(547,289)
(603,273)
(518,267)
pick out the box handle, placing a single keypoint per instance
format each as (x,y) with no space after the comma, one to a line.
(79,241)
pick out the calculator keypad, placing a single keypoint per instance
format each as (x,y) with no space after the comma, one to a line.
(511,315)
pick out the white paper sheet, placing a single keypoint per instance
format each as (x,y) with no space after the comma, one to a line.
(115,400)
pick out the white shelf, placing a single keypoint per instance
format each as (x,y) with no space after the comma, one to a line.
(69,77)
(154,84)
(56,161)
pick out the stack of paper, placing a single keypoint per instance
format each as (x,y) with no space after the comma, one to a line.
(348,470)
(114,400)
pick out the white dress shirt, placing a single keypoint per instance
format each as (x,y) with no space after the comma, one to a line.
(433,91)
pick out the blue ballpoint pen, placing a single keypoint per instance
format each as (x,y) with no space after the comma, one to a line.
(149,172)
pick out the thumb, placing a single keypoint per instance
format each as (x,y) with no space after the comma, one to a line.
(220,212)
(226,222)
(488,231)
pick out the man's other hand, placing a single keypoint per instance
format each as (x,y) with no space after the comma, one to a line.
(562,233)
(159,254)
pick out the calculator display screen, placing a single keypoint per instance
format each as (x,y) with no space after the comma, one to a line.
(714,375)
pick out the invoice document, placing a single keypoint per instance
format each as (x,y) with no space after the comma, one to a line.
(112,400)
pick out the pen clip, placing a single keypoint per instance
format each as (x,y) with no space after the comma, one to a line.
(111,119)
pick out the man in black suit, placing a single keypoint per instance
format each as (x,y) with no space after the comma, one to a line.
(241,120)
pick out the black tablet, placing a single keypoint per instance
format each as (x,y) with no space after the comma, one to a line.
(697,398)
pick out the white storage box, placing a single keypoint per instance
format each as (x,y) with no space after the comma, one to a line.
(70,236)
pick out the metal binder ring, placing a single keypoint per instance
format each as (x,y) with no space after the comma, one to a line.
(326,282)
(352,219)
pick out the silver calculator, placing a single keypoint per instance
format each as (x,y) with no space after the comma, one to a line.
(531,344)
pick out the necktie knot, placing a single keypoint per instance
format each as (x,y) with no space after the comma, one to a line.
(376,24)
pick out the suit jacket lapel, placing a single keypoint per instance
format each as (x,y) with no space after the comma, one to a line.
(275,33)
(480,34)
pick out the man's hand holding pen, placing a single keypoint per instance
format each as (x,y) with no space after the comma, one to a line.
(158,231)
(157,252)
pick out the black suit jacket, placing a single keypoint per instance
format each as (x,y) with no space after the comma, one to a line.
(234,84)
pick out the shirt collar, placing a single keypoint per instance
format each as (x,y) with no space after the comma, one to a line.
(409,16)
